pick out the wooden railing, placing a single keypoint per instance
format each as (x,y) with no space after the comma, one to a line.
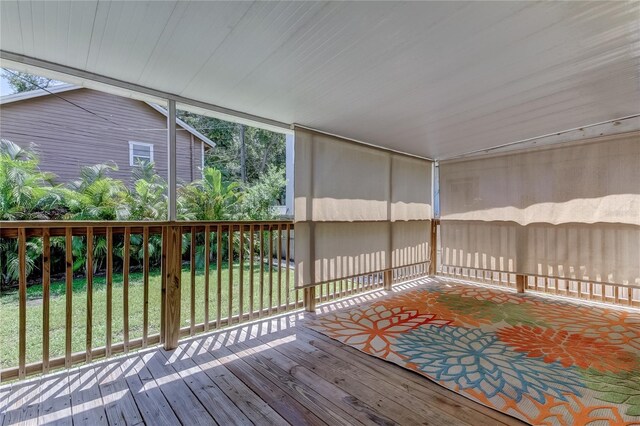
(88,290)
(577,288)
(103,288)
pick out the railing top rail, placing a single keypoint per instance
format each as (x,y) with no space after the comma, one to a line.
(9,229)
(120,223)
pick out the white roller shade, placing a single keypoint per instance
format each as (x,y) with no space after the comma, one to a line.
(570,211)
(358,209)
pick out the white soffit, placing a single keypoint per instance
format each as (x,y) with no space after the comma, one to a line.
(434,79)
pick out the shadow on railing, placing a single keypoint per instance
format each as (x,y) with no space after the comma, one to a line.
(576,288)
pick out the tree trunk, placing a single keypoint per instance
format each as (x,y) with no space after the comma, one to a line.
(243,156)
(265,156)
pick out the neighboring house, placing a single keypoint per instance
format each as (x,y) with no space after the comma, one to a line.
(74,127)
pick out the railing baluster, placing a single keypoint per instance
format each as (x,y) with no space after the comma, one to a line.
(219,276)
(270,270)
(287,272)
(46,284)
(163,282)
(241,273)
(207,265)
(125,288)
(192,268)
(22,313)
(251,288)
(335,285)
(89,274)
(230,263)
(109,289)
(261,271)
(145,312)
(279,257)
(68,250)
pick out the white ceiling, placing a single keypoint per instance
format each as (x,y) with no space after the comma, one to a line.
(433,79)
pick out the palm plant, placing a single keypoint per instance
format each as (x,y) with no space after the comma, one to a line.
(209,198)
(25,191)
(148,202)
(96,196)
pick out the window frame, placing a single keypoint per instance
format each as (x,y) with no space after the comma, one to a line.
(132,163)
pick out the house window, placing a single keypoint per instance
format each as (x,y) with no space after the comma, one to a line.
(140,152)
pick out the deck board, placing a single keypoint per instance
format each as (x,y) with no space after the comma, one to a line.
(272,372)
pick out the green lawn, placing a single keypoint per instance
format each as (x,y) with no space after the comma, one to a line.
(9,309)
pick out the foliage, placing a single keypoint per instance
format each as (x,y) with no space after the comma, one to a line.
(210,198)
(96,196)
(28,193)
(24,82)
(263,149)
(25,191)
(258,200)
(149,194)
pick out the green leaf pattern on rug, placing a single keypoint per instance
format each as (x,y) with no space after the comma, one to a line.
(511,313)
(618,388)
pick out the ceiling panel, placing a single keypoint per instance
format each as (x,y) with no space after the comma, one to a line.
(429,78)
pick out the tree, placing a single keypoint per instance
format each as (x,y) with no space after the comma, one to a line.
(210,198)
(243,154)
(258,199)
(24,82)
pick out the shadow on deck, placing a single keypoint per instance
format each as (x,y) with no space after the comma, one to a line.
(273,371)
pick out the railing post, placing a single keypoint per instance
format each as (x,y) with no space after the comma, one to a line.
(387,279)
(172,277)
(520,283)
(433,247)
(310,299)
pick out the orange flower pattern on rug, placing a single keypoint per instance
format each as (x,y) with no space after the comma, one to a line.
(567,348)
(541,360)
(427,303)
(372,329)
(617,327)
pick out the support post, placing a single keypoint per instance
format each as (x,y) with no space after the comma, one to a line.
(433,247)
(172,277)
(388,279)
(310,299)
(520,283)
(172,162)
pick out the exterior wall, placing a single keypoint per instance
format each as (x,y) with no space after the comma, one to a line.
(68,137)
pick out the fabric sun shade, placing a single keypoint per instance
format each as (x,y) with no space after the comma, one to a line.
(569,211)
(358,209)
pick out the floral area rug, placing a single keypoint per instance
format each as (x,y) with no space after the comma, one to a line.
(543,361)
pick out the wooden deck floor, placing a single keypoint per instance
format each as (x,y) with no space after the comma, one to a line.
(270,373)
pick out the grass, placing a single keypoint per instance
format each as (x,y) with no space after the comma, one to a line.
(9,308)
